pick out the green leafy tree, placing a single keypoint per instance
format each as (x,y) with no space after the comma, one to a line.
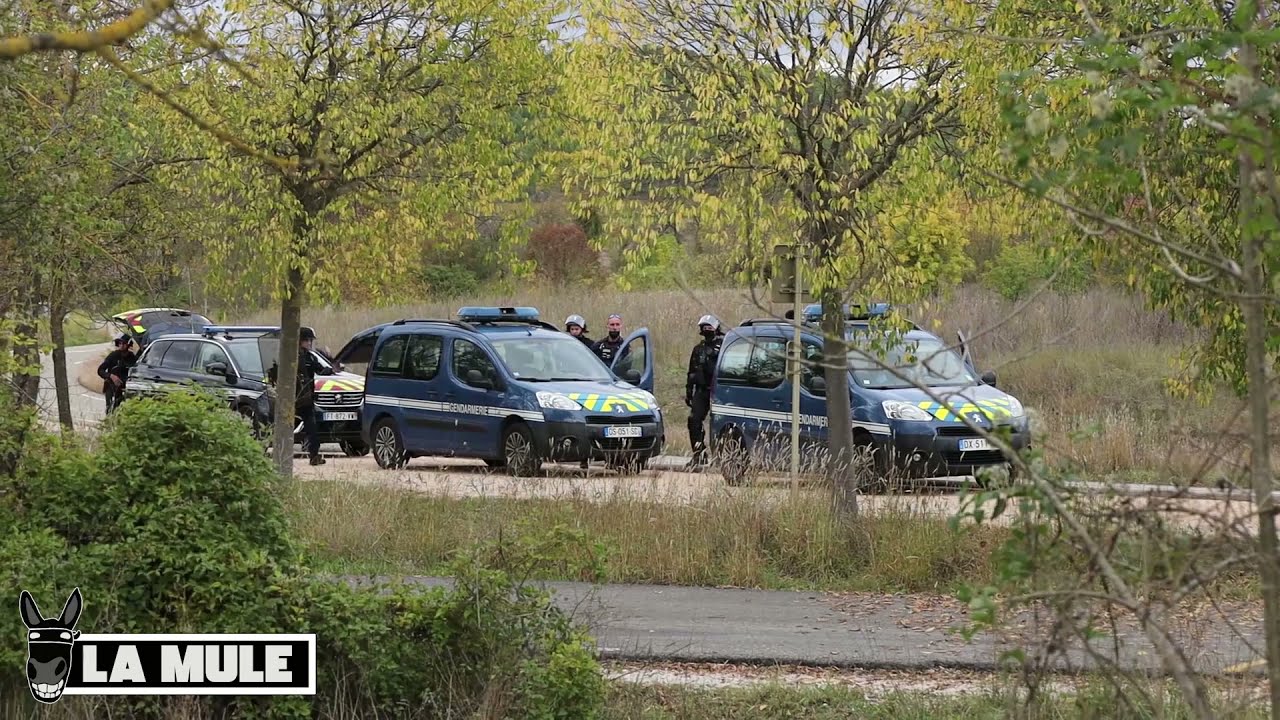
(1153,128)
(764,121)
(358,130)
(75,216)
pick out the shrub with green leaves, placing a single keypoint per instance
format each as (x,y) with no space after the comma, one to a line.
(177,524)
(1020,268)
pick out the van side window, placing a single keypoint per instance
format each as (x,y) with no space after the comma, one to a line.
(390,356)
(468,356)
(155,353)
(768,363)
(422,359)
(812,367)
(733,363)
(181,356)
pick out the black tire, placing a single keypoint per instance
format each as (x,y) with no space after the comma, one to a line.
(519,451)
(388,447)
(353,448)
(250,417)
(733,458)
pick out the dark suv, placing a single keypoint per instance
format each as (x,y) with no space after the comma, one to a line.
(146,325)
(229,361)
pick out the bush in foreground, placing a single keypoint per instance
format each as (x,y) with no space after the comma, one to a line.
(176,525)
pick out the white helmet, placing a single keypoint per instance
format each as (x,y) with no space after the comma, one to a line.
(575,320)
(708,320)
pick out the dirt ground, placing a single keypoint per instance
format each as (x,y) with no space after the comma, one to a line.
(468,479)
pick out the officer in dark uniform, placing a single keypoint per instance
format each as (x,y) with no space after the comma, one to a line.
(610,345)
(577,327)
(305,398)
(697,386)
(114,371)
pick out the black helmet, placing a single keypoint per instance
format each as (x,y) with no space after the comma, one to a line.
(123,340)
(307,333)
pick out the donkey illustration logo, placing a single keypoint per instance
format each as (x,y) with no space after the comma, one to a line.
(49,642)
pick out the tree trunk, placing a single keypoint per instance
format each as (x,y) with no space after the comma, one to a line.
(58,315)
(840,471)
(286,378)
(1253,308)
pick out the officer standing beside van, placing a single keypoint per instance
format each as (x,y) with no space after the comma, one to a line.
(304,403)
(576,326)
(114,371)
(697,386)
(610,345)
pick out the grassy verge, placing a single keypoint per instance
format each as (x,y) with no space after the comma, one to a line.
(1092,366)
(725,541)
(634,702)
(748,540)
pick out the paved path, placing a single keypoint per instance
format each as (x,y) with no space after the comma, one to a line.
(708,625)
(87,407)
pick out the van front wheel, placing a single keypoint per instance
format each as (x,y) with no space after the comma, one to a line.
(520,452)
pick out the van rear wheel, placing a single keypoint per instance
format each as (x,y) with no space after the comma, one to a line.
(735,461)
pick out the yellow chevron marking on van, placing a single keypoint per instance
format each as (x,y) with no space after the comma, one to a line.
(994,409)
(596,402)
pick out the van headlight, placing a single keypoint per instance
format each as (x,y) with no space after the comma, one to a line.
(899,410)
(556,401)
(1015,407)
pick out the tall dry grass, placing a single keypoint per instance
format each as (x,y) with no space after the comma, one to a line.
(725,540)
(1090,366)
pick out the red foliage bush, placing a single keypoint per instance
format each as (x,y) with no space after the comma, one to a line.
(562,251)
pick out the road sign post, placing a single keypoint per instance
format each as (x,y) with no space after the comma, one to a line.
(788,285)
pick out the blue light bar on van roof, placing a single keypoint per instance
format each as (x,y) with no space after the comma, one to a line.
(239,329)
(813,313)
(482,314)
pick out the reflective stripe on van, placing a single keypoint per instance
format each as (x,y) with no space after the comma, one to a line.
(456,408)
(784,418)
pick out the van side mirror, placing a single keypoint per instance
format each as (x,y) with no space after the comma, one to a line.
(632,376)
(817,385)
(989,377)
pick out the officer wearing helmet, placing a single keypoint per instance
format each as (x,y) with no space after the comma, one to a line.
(576,326)
(697,386)
(114,371)
(305,398)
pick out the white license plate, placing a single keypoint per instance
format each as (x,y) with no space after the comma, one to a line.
(975,444)
(622,431)
(337,416)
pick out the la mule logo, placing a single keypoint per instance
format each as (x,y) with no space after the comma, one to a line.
(49,644)
(62,661)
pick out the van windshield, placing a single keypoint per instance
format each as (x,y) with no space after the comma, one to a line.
(545,358)
(911,363)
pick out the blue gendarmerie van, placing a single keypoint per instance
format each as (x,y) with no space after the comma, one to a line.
(500,385)
(903,429)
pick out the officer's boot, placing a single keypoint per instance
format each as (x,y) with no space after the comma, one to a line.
(699,459)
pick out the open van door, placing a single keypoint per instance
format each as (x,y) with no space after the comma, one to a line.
(634,364)
(964,352)
(358,350)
